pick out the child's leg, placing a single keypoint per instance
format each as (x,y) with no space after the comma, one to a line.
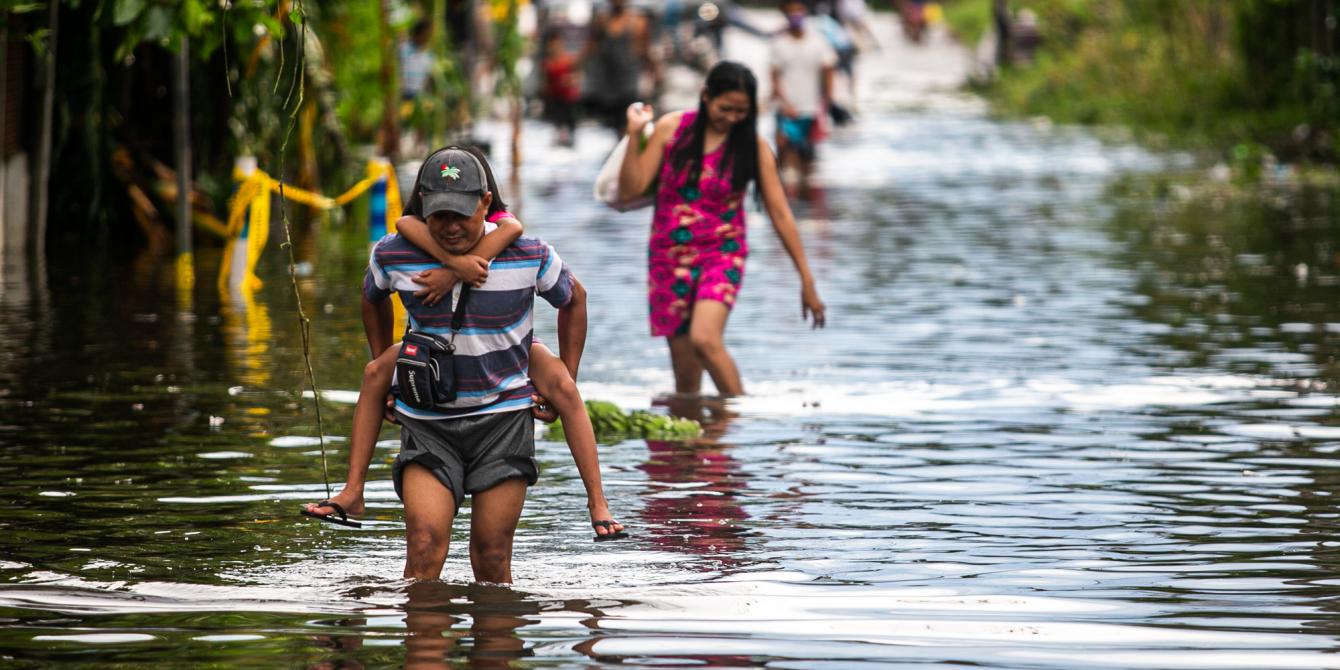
(556,386)
(367,425)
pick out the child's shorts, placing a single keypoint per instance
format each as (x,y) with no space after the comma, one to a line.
(469,454)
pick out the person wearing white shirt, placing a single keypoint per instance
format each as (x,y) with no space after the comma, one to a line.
(802,86)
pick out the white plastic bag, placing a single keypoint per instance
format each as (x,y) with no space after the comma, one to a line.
(606,188)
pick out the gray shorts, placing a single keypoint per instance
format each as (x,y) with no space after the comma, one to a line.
(469,454)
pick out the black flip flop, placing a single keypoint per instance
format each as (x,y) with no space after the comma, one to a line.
(342,520)
(607,525)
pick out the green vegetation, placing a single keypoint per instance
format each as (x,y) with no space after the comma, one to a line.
(1246,77)
(299,84)
(614,425)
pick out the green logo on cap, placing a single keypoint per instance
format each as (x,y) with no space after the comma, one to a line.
(451,172)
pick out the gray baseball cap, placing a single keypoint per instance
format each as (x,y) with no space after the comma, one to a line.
(451,180)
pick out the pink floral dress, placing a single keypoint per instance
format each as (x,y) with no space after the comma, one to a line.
(697,248)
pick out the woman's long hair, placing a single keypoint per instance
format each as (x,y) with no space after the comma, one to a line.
(741,157)
(414,206)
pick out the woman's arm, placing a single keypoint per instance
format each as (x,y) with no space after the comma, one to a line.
(784,222)
(640,166)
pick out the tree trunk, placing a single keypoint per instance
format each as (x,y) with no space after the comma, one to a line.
(390,92)
(38,224)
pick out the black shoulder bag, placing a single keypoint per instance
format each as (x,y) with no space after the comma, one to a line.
(426,369)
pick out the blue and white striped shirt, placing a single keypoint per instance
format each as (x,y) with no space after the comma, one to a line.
(493,347)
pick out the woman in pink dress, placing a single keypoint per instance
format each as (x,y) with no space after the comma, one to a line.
(702,163)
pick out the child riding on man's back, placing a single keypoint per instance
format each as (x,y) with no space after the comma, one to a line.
(553,376)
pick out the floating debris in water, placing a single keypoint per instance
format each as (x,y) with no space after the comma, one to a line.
(612,424)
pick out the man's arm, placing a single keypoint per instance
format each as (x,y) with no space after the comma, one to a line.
(827,87)
(572,329)
(377,324)
(779,94)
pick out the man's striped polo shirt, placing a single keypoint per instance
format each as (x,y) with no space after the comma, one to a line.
(493,346)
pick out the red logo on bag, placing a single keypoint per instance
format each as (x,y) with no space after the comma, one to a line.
(411,350)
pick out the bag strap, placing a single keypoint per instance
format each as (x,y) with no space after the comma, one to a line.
(458,314)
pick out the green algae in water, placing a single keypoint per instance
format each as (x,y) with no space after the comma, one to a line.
(612,424)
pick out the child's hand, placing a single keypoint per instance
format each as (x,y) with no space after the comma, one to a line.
(542,409)
(437,283)
(471,269)
(389,412)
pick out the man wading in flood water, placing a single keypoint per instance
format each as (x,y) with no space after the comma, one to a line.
(480,440)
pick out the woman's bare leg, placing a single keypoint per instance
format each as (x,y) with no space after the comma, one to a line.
(707,332)
(686,364)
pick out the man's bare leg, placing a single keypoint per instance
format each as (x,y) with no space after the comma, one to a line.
(430,509)
(492,527)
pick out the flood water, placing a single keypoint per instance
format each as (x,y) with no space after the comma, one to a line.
(1054,422)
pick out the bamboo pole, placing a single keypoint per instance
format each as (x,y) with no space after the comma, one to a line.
(182,138)
(38,222)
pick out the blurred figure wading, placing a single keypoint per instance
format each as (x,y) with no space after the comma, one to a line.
(802,87)
(618,55)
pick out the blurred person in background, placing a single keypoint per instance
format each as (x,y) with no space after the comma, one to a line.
(562,87)
(855,15)
(912,13)
(802,65)
(617,55)
(416,61)
(844,45)
(416,67)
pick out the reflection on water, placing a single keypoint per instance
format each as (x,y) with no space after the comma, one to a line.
(1048,427)
(691,502)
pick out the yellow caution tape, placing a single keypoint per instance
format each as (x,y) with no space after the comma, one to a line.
(249,210)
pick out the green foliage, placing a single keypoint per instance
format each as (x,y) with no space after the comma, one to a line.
(510,49)
(969,19)
(165,22)
(1226,74)
(353,44)
(612,424)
